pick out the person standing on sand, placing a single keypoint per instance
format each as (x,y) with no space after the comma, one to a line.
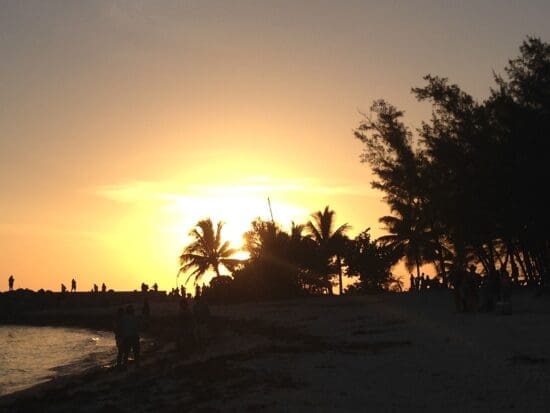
(457,279)
(11,280)
(145,312)
(117,328)
(504,302)
(130,335)
(470,287)
(201,315)
(186,327)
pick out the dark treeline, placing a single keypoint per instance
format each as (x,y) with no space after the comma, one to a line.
(307,260)
(470,189)
(466,189)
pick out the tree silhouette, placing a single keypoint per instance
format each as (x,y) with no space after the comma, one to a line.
(329,241)
(408,237)
(206,251)
(371,261)
(271,271)
(468,188)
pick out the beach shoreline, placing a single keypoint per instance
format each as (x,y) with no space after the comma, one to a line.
(329,354)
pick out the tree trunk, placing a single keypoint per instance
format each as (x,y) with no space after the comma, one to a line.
(340,286)
(522,265)
(515,272)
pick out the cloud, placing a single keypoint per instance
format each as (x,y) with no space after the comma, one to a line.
(135,191)
(165,191)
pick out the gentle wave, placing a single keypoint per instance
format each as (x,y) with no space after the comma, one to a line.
(33,355)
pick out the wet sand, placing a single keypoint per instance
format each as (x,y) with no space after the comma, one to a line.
(392,352)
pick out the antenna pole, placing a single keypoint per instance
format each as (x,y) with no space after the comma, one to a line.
(270,210)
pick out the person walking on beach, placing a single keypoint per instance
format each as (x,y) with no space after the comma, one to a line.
(117,328)
(130,335)
(73,285)
(11,280)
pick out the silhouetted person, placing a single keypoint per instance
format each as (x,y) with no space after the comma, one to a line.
(145,312)
(103,288)
(505,286)
(96,289)
(130,335)
(505,293)
(201,315)
(155,287)
(183,293)
(489,291)
(73,285)
(469,286)
(186,326)
(11,280)
(425,280)
(117,328)
(144,288)
(63,288)
(456,279)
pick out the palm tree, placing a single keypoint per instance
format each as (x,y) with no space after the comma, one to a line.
(328,239)
(207,251)
(408,237)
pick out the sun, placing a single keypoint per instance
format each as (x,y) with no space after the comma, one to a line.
(170,220)
(232,206)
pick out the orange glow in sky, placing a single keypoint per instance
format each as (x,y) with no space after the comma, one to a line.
(122,123)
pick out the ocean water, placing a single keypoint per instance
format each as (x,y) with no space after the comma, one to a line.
(32,355)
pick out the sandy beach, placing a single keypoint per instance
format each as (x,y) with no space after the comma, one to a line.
(391,352)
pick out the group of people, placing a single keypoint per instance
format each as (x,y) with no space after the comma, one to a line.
(192,328)
(473,292)
(126,330)
(145,287)
(95,288)
(423,282)
(73,286)
(175,292)
(193,322)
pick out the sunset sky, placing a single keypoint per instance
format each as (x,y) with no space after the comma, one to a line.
(122,123)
